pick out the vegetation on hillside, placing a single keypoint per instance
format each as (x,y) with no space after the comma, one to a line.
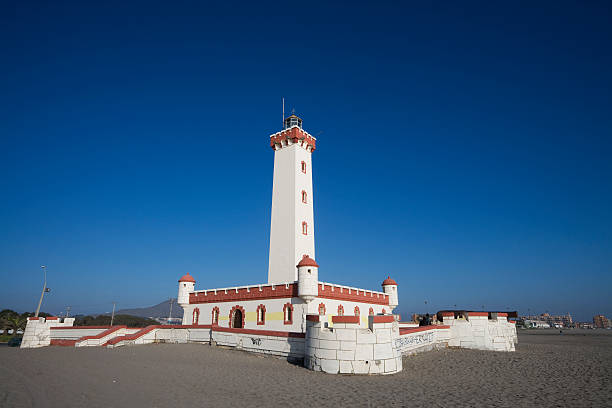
(120,320)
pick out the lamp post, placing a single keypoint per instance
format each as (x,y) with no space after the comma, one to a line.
(44,268)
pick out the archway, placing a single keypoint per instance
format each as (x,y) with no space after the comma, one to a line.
(237,323)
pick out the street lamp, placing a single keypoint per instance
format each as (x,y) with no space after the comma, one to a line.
(45,290)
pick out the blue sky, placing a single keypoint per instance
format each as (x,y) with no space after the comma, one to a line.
(463,149)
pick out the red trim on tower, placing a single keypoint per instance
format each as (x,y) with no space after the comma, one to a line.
(295,134)
(313,318)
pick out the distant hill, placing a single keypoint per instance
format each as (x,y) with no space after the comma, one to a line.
(160,310)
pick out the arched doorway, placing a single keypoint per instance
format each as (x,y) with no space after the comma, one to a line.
(237,323)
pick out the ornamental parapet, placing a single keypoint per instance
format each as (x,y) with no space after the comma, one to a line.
(293,135)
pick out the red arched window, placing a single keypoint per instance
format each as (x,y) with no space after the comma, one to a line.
(196,315)
(340,310)
(303,167)
(371,311)
(304,228)
(357,312)
(288,313)
(261,314)
(321,309)
(384,311)
(304,197)
(237,317)
(215,315)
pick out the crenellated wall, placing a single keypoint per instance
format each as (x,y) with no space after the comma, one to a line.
(346,348)
(481,331)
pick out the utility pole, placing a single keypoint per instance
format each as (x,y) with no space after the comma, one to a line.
(44,268)
(170,315)
(113,315)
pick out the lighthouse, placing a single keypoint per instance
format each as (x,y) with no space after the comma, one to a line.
(292,221)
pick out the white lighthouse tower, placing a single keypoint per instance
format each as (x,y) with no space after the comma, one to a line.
(292,224)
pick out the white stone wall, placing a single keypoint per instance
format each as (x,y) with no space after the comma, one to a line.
(349,349)
(287,243)
(38,332)
(292,347)
(482,333)
(422,340)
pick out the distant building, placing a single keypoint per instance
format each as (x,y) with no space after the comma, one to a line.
(536,324)
(601,322)
(552,320)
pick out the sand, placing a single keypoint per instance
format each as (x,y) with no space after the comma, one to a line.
(547,370)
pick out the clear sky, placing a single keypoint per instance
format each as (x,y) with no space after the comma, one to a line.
(464,149)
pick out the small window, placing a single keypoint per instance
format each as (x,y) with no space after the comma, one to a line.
(261,314)
(357,312)
(340,310)
(321,309)
(304,197)
(384,311)
(304,167)
(288,313)
(304,228)
(371,311)
(196,316)
(215,315)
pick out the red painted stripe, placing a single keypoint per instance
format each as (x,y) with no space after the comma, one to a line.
(280,291)
(102,334)
(345,319)
(62,342)
(383,319)
(502,314)
(52,318)
(313,318)
(79,327)
(447,314)
(478,313)
(259,332)
(422,328)
(34,318)
(327,293)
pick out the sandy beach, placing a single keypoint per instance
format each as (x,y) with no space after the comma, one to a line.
(573,369)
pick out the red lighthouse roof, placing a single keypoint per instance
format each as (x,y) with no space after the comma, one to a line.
(389,281)
(307,261)
(187,278)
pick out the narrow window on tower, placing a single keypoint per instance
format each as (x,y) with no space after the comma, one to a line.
(304,167)
(304,197)
(304,228)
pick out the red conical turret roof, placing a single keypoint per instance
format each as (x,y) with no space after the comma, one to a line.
(187,278)
(389,281)
(307,261)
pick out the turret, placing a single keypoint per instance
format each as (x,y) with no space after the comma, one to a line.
(186,285)
(308,279)
(390,288)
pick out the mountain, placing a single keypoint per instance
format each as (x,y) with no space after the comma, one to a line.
(159,310)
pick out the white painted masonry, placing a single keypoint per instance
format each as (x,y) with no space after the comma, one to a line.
(287,242)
